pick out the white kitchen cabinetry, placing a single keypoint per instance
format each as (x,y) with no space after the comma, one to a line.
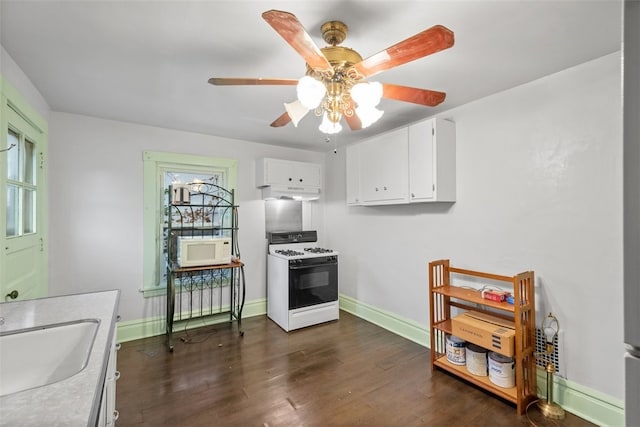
(414,164)
(108,413)
(383,168)
(288,173)
(432,161)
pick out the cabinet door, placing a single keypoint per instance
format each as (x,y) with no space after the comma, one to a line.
(278,172)
(432,161)
(421,161)
(353,175)
(384,167)
(306,174)
(288,173)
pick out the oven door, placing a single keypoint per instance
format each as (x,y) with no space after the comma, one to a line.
(313,281)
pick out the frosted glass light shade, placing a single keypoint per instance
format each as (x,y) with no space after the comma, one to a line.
(296,111)
(367,94)
(550,327)
(368,115)
(310,92)
(329,127)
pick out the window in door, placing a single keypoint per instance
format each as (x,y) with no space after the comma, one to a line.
(21,185)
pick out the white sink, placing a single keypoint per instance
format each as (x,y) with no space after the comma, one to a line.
(44,355)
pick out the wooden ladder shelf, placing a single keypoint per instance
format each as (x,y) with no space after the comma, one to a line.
(443,296)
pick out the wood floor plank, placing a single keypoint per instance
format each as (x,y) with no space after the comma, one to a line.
(342,373)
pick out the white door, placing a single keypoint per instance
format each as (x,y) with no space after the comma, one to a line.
(23,262)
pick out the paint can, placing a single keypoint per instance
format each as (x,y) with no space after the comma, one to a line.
(502,370)
(477,360)
(456,350)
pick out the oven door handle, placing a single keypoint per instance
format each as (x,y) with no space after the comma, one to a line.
(303,267)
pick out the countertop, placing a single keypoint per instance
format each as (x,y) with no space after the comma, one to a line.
(73,401)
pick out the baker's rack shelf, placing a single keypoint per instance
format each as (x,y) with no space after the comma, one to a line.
(209,210)
(443,296)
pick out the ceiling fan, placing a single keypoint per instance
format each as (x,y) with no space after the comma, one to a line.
(335,84)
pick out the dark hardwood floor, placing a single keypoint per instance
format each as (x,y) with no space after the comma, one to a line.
(343,373)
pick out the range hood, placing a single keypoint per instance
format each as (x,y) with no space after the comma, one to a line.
(282,192)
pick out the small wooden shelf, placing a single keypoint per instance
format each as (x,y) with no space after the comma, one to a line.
(473,296)
(444,326)
(233,264)
(443,296)
(510,394)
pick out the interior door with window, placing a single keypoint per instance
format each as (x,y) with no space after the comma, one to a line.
(23,273)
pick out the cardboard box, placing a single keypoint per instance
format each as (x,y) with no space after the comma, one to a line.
(490,332)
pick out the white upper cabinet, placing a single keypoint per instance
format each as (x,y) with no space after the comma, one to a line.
(432,161)
(414,164)
(383,168)
(287,173)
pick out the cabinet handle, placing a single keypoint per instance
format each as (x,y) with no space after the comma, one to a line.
(300,179)
(376,188)
(385,188)
(116,375)
(118,345)
(116,415)
(13,294)
(290,179)
(413,195)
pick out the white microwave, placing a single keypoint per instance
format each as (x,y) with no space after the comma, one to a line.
(200,251)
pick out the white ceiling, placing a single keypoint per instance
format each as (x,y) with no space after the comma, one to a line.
(148,62)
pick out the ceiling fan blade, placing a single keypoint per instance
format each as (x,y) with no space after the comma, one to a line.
(430,98)
(288,26)
(353,121)
(425,43)
(224,81)
(283,120)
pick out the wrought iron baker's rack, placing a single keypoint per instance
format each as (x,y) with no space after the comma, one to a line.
(203,210)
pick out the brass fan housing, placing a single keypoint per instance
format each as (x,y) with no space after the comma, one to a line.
(334,32)
(340,57)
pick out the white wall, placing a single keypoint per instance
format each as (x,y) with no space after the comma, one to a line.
(539,188)
(95,181)
(18,79)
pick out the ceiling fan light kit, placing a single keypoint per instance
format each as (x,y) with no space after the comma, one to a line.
(296,111)
(335,84)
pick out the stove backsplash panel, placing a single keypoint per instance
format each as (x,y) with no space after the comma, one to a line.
(283,215)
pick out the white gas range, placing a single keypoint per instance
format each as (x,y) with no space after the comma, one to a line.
(302,280)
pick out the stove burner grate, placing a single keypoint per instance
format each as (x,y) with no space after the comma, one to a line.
(288,252)
(318,250)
